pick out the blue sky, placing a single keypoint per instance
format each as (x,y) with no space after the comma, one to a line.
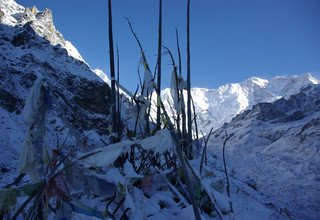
(231,40)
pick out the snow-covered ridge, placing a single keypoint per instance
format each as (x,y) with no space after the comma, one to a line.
(217,106)
(277,146)
(102,75)
(106,79)
(13,14)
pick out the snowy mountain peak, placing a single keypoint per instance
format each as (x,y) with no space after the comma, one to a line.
(41,22)
(311,78)
(256,81)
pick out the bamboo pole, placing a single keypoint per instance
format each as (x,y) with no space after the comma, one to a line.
(112,72)
(189,114)
(159,65)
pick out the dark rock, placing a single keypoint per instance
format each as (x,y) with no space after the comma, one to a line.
(28,79)
(4,170)
(23,38)
(267,112)
(92,97)
(10,102)
(297,115)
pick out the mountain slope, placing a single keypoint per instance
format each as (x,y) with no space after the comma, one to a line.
(217,106)
(31,48)
(276,148)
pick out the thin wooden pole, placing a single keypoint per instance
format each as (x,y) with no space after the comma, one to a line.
(112,72)
(188,83)
(159,65)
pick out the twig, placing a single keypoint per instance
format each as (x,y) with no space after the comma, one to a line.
(118,96)
(205,149)
(159,63)
(118,206)
(174,190)
(104,142)
(144,159)
(225,169)
(16,181)
(195,119)
(178,48)
(34,193)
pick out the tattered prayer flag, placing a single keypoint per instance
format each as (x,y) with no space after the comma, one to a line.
(174,91)
(148,80)
(32,155)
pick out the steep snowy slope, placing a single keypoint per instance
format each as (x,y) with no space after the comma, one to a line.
(217,106)
(31,47)
(276,148)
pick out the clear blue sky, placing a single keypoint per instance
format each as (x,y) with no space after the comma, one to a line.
(231,40)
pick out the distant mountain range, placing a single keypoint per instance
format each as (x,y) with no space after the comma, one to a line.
(217,106)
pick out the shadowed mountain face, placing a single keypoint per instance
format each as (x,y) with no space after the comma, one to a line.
(31,47)
(277,146)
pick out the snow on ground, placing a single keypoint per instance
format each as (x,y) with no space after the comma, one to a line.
(11,141)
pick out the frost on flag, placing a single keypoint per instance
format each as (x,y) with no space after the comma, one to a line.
(33,154)
(177,84)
